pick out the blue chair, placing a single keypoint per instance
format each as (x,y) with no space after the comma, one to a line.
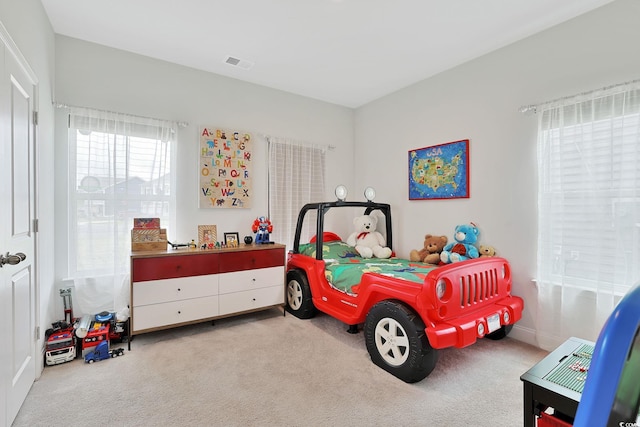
(611,394)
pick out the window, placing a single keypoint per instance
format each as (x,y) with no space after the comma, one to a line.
(588,211)
(120,168)
(296,177)
(589,192)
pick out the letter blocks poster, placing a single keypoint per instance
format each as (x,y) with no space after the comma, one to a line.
(225,168)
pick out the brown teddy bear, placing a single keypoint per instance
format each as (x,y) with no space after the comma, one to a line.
(486,250)
(430,253)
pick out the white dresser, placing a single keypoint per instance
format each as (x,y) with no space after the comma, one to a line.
(178,287)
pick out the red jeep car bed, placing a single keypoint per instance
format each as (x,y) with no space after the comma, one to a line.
(408,310)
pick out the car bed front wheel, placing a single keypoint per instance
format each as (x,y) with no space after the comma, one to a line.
(299,301)
(500,333)
(397,342)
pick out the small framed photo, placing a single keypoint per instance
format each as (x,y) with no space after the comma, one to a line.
(231,239)
(207,234)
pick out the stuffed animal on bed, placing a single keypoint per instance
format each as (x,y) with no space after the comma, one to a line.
(368,242)
(430,252)
(463,248)
(486,251)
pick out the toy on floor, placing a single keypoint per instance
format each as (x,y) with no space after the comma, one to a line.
(102,352)
(60,344)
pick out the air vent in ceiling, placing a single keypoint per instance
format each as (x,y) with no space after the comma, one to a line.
(237,62)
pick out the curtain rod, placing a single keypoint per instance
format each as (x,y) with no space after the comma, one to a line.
(61,105)
(533,108)
(328,147)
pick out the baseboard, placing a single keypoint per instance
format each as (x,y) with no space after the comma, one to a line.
(523,334)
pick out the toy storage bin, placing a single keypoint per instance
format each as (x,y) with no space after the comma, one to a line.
(547,420)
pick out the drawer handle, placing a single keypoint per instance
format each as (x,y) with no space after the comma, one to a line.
(179,289)
(179,312)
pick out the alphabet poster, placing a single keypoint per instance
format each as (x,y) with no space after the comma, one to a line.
(225,168)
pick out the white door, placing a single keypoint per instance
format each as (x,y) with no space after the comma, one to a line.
(17,238)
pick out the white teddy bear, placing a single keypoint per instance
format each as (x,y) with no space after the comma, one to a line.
(367,241)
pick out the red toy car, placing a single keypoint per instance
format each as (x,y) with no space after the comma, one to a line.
(408,309)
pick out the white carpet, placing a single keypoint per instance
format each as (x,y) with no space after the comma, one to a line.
(268,369)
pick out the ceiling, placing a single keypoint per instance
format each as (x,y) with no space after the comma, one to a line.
(346,52)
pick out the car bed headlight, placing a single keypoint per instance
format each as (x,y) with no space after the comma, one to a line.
(441,289)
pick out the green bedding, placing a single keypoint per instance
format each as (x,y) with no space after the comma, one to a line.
(344,267)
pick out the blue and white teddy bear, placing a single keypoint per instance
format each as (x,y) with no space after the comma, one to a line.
(463,248)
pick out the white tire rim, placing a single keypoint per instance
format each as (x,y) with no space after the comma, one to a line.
(294,295)
(392,342)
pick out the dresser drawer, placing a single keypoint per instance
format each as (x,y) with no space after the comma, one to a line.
(170,267)
(251,279)
(247,260)
(170,313)
(165,290)
(250,300)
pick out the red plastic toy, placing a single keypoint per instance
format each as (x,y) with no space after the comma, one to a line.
(262,227)
(408,310)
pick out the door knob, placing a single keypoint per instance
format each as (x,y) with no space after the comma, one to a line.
(12,259)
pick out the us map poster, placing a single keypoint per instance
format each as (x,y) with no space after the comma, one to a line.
(439,171)
(225,168)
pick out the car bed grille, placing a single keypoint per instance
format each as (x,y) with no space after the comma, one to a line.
(478,287)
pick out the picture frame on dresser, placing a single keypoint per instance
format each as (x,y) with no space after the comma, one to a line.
(207,234)
(232,238)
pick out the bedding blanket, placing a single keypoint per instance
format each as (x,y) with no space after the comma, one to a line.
(344,267)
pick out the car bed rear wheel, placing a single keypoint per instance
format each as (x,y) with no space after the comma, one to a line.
(397,342)
(299,301)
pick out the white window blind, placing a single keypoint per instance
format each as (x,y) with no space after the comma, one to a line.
(589,191)
(120,167)
(588,210)
(296,177)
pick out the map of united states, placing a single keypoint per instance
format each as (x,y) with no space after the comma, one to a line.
(439,171)
(436,172)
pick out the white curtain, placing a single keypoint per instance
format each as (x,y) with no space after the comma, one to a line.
(589,210)
(120,167)
(296,177)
